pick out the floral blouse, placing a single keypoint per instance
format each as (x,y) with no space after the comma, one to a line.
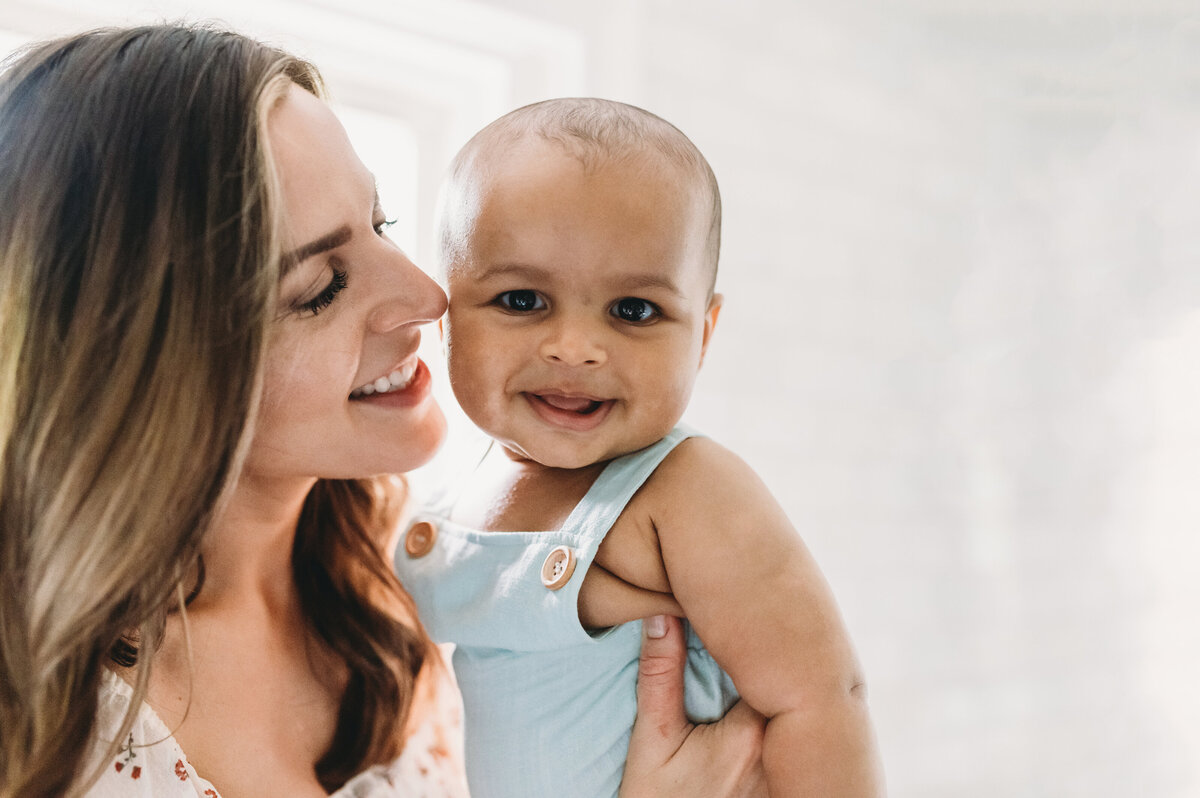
(151,763)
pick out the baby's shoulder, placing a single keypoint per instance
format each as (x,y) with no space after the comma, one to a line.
(700,471)
(701,493)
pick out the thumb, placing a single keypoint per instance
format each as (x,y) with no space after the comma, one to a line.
(660,681)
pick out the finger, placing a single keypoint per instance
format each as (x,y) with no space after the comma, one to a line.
(742,731)
(746,725)
(733,753)
(660,680)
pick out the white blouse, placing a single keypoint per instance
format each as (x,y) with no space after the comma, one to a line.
(151,763)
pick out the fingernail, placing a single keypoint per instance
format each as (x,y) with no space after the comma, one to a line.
(655,626)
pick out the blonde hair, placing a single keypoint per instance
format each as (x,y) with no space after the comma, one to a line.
(138,271)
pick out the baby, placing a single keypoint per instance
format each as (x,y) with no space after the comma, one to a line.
(579,242)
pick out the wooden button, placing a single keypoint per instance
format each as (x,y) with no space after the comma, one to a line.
(558,567)
(420,539)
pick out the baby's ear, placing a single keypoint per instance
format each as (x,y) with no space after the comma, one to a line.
(710,321)
(445,346)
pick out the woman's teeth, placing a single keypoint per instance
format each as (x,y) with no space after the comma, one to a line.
(400,378)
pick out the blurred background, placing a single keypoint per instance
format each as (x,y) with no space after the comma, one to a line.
(961,331)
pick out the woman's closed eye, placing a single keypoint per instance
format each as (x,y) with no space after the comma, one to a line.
(635,311)
(521,301)
(338,281)
(325,298)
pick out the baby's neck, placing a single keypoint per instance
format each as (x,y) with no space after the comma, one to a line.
(516,494)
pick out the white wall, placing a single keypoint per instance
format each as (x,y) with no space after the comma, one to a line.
(960,342)
(960,337)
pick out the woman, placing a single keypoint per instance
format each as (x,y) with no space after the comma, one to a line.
(194,282)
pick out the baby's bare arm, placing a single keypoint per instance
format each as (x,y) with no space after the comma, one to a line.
(756,597)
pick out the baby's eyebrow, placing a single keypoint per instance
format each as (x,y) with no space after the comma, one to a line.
(626,282)
(510,269)
(635,281)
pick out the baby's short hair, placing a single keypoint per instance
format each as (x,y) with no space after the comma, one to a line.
(595,131)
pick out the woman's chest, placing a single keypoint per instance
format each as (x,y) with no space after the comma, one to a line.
(253,719)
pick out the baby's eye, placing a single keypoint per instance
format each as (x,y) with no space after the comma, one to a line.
(635,311)
(523,301)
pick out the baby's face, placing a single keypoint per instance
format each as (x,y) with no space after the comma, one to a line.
(579,308)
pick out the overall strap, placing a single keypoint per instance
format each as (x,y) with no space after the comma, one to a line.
(604,502)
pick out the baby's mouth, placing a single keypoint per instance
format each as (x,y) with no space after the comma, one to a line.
(571,404)
(576,413)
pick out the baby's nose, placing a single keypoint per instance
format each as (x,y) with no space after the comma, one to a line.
(573,345)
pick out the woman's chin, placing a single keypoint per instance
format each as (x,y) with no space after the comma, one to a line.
(405,447)
(421,441)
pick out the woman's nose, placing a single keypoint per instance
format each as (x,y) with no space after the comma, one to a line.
(573,343)
(411,297)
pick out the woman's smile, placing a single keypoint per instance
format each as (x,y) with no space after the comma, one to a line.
(406,387)
(395,379)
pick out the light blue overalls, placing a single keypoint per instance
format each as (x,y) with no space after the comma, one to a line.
(549,705)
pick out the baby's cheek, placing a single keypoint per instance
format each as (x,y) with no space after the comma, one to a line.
(470,383)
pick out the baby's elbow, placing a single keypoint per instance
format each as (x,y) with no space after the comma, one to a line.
(836,693)
(845,691)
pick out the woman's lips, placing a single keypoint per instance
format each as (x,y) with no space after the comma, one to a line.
(576,413)
(396,378)
(418,389)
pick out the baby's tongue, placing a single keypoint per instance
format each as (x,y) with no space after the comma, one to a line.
(574,404)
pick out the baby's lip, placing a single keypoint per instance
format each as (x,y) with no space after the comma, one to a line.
(570,411)
(570,402)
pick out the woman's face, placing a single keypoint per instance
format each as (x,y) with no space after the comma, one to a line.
(344,394)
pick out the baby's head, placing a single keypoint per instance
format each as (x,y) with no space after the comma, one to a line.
(579,246)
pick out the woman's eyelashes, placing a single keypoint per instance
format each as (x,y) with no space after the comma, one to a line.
(325,298)
(338,282)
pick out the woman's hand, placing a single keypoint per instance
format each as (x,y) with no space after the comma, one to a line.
(669,756)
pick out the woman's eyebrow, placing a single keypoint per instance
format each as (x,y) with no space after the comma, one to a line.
(325,243)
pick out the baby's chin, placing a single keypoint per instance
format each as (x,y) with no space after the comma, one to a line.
(570,455)
(549,456)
